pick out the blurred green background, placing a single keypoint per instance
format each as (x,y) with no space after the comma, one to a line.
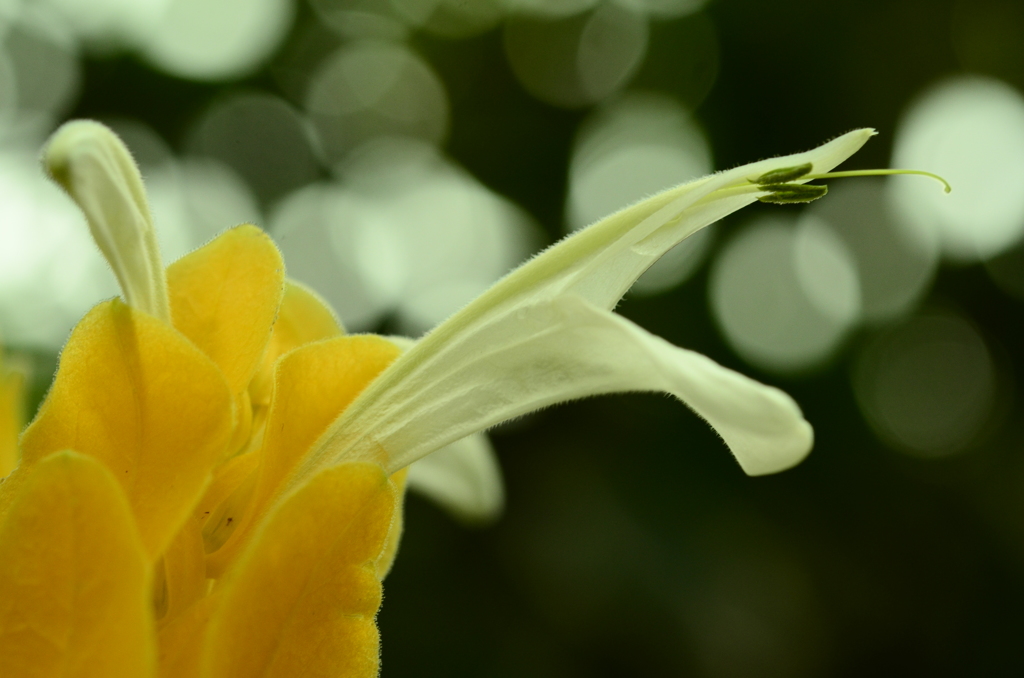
(406,153)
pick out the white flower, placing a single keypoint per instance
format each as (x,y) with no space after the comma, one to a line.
(546,334)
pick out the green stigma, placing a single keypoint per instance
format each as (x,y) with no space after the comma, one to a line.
(780,190)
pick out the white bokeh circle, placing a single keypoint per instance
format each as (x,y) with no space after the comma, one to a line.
(216,39)
(929,385)
(372,88)
(970,130)
(784,297)
(896,261)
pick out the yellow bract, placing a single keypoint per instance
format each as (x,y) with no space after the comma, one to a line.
(302,599)
(74,577)
(182,579)
(138,396)
(303,318)
(224,298)
(313,386)
(174,499)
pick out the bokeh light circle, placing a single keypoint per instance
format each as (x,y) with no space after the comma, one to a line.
(403,231)
(664,9)
(784,297)
(195,199)
(355,19)
(579,60)
(451,18)
(9,10)
(47,67)
(895,261)
(8,93)
(970,130)
(107,24)
(550,8)
(51,273)
(39,77)
(927,387)
(634,147)
(149,150)
(260,136)
(315,228)
(216,39)
(369,89)
(438,237)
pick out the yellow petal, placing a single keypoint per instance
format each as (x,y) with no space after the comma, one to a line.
(222,523)
(302,599)
(134,393)
(226,479)
(225,296)
(304,318)
(315,383)
(314,386)
(74,582)
(242,408)
(10,488)
(12,386)
(185,559)
(181,641)
(184,571)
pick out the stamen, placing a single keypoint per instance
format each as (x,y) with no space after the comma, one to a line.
(786,194)
(778,188)
(96,169)
(784,175)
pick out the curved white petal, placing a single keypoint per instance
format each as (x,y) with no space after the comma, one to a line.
(463,477)
(572,350)
(479,367)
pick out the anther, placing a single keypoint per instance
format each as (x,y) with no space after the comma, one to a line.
(785,194)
